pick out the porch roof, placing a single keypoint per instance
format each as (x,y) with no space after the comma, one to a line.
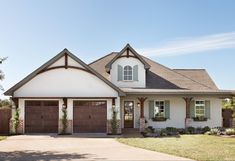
(181,92)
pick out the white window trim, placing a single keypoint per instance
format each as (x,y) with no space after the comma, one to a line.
(204,104)
(131,74)
(164,109)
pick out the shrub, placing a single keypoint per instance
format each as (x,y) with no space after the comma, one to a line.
(151,129)
(230,131)
(114,121)
(147,130)
(181,131)
(64,120)
(16,120)
(198,130)
(214,131)
(171,131)
(190,130)
(206,129)
(208,133)
(163,132)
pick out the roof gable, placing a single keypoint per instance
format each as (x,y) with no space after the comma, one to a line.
(64,59)
(127,51)
(162,77)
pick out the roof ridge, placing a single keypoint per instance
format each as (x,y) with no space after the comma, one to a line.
(189,69)
(175,72)
(114,52)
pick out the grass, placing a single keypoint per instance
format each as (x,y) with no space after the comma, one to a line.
(198,147)
(2,137)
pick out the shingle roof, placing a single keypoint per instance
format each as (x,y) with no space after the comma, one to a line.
(199,75)
(161,77)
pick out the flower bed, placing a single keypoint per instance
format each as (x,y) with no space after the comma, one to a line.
(172,131)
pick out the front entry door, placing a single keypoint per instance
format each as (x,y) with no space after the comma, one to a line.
(128,114)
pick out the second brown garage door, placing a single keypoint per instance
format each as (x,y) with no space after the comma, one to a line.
(41,116)
(89,116)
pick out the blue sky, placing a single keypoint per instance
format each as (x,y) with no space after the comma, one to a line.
(178,34)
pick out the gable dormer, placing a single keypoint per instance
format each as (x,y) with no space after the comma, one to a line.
(128,68)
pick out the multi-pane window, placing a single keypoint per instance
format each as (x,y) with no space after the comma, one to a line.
(128,73)
(159,109)
(199,108)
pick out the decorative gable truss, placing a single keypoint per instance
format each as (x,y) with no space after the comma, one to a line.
(127,51)
(64,59)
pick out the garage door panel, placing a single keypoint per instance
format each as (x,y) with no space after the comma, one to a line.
(90,116)
(41,116)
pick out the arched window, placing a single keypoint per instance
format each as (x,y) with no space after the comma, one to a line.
(128,73)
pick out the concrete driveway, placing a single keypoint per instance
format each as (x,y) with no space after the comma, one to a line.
(53,147)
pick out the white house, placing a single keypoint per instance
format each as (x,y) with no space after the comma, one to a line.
(143,92)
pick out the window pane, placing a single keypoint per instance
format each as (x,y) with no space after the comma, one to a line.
(159,109)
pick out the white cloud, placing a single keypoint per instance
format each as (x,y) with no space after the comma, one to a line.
(183,46)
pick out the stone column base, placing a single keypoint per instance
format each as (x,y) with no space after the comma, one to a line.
(188,122)
(20,129)
(69,129)
(142,124)
(109,127)
(233,123)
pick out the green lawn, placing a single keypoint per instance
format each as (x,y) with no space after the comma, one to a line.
(198,147)
(2,137)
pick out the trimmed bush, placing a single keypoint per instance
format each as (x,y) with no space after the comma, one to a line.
(181,131)
(190,130)
(163,132)
(214,131)
(206,129)
(171,131)
(230,131)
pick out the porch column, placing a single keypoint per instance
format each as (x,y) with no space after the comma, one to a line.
(142,119)
(187,118)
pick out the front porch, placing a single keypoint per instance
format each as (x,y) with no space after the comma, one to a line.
(138,111)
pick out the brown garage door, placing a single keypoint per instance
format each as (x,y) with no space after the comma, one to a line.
(41,116)
(89,116)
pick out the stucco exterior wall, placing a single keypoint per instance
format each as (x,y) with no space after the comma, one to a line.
(131,62)
(65,83)
(216,119)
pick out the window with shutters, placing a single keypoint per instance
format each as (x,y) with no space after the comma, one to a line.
(128,73)
(199,108)
(159,109)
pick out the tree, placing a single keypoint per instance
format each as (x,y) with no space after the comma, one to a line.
(233,106)
(6,103)
(1,72)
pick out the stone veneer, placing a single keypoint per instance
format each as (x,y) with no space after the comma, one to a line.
(69,129)
(142,124)
(188,122)
(233,122)
(109,127)
(20,129)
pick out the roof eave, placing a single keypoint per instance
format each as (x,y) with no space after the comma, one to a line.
(219,94)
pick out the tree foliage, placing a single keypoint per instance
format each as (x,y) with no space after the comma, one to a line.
(1,72)
(114,121)
(229,104)
(64,120)
(5,103)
